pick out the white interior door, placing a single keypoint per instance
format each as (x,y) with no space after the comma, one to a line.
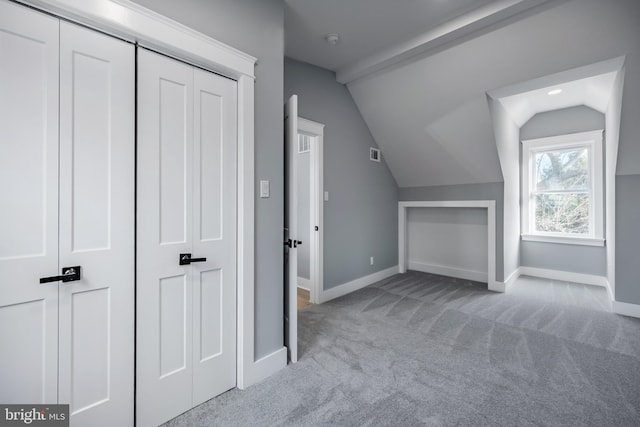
(29,200)
(66,167)
(186,315)
(96,313)
(164,228)
(214,235)
(290,227)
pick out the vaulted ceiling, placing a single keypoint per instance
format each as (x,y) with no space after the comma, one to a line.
(420,71)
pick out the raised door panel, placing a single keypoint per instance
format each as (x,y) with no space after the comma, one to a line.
(214,237)
(29,200)
(97,153)
(164,229)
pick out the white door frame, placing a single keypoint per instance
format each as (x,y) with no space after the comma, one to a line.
(137,24)
(317,203)
(290,230)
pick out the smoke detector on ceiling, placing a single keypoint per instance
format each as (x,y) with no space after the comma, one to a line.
(332,38)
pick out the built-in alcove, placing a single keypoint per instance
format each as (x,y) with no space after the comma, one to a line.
(452,238)
(581,259)
(448,241)
(560,100)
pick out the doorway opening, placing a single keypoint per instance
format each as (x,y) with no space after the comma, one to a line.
(309,209)
(301,136)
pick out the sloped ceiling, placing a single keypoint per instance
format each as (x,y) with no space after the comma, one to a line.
(428,112)
(430,115)
(594,92)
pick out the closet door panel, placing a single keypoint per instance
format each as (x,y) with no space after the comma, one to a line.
(214,237)
(164,230)
(29,200)
(97,96)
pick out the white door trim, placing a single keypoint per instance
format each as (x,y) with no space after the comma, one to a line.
(490,205)
(317,204)
(135,23)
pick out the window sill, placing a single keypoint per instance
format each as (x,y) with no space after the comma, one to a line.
(585,241)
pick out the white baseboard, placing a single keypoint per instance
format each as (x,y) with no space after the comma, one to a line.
(626,309)
(266,366)
(354,285)
(511,279)
(567,276)
(504,286)
(609,291)
(304,283)
(444,270)
(497,287)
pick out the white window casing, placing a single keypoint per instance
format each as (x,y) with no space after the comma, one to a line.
(592,141)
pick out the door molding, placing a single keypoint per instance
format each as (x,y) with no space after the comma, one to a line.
(137,24)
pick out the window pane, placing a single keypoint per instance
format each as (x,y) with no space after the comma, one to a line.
(562,213)
(566,169)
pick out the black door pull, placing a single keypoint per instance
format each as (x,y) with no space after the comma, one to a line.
(69,274)
(185,259)
(292,243)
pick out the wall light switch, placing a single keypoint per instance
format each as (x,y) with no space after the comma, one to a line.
(264,189)
(326,196)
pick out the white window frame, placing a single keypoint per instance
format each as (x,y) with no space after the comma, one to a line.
(593,142)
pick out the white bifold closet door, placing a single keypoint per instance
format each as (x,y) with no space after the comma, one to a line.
(186,314)
(67,195)
(29,88)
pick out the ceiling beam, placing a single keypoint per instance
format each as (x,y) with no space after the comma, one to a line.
(438,37)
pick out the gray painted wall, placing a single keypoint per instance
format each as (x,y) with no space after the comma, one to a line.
(361,215)
(303,177)
(559,122)
(489,191)
(257,28)
(554,256)
(628,238)
(453,238)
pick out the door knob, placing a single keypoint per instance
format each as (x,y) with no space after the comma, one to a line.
(185,259)
(69,274)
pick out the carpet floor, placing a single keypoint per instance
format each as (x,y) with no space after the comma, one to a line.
(418,349)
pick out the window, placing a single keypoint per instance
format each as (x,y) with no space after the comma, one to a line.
(303,143)
(562,189)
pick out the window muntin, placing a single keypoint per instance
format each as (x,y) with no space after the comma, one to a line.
(562,187)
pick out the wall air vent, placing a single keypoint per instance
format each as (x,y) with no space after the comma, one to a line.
(374,154)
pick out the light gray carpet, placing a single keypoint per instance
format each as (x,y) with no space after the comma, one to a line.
(420,349)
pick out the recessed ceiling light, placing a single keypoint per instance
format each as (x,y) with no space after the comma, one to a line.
(332,38)
(554,92)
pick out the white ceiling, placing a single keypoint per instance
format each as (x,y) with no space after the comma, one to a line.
(428,113)
(365,26)
(594,92)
